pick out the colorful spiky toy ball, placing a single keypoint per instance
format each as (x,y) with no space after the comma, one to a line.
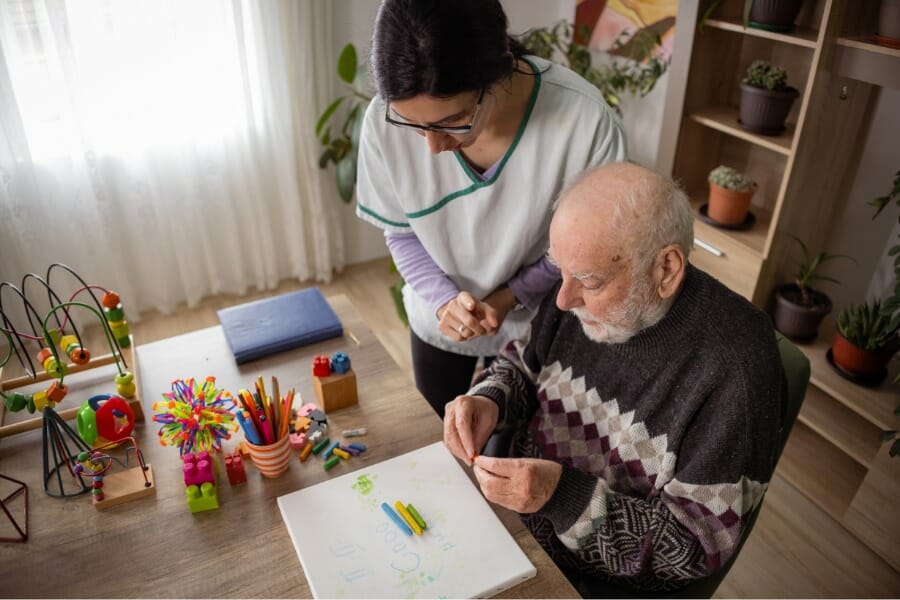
(195,416)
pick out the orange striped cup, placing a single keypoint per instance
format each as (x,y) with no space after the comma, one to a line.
(272,460)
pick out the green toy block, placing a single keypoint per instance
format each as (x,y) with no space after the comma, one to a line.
(205,497)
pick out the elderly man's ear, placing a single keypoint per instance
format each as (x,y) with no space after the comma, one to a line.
(669,270)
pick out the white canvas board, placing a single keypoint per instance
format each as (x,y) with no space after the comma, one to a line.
(349,547)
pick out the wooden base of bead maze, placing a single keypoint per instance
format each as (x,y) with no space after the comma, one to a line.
(34,423)
(125,486)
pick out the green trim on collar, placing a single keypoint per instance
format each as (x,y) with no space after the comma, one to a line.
(477,183)
(369,211)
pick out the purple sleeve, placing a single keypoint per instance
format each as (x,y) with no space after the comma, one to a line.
(533,281)
(419,269)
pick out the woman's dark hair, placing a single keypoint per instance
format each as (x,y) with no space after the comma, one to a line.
(441,47)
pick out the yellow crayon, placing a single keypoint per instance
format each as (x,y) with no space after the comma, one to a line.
(341,453)
(407,517)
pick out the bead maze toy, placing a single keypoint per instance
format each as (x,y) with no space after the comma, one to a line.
(195,416)
(120,487)
(55,343)
(59,341)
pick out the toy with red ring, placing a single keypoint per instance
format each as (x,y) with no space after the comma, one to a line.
(105,418)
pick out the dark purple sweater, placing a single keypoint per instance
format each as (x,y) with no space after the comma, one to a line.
(667,441)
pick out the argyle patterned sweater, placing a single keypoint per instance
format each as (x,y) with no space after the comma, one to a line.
(667,441)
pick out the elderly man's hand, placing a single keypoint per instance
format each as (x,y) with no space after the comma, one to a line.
(468,423)
(520,484)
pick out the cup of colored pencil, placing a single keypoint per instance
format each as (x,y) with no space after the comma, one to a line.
(264,420)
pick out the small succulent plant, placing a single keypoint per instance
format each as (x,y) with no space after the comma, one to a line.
(731,179)
(868,327)
(764,75)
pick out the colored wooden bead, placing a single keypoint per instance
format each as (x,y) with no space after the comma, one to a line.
(124,342)
(80,356)
(44,354)
(57,392)
(114,314)
(40,400)
(15,401)
(124,378)
(66,341)
(126,390)
(120,331)
(55,335)
(110,300)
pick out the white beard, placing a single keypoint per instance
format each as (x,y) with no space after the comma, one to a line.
(642,309)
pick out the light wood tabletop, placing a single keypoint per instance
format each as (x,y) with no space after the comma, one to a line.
(155,547)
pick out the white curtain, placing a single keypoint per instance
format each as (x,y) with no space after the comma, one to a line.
(166,148)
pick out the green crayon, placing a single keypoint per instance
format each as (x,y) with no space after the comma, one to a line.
(415,515)
(332,461)
(321,445)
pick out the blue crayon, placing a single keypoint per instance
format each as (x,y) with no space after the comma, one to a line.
(360,447)
(396,518)
(327,453)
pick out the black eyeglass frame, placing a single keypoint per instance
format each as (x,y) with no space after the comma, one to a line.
(460,130)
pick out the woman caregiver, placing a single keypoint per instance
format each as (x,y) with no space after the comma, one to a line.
(463,151)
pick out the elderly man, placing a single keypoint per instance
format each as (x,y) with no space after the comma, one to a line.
(646,401)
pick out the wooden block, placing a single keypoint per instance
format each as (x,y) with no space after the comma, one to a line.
(336,391)
(125,486)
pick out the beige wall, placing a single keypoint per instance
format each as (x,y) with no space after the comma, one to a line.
(855,233)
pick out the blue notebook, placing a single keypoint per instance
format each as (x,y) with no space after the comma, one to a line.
(264,327)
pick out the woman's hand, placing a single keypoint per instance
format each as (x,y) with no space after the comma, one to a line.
(502,300)
(464,318)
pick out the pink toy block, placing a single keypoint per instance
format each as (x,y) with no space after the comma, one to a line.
(298,440)
(234,464)
(198,469)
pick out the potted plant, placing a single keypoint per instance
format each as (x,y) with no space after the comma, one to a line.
(799,309)
(888,32)
(730,193)
(771,15)
(869,335)
(865,341)
(766,99)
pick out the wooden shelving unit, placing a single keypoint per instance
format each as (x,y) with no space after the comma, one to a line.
(801,36)
(835,455)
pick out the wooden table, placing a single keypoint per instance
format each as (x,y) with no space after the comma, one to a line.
(155,547)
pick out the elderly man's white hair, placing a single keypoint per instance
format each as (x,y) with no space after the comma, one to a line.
(668,218)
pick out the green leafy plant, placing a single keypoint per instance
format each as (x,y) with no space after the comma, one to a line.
(764,75)
(342,144)
(636,76)
(731,179)
(807,270)
(867,327)
(892,304)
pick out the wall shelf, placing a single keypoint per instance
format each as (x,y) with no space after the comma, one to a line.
(876,405)
(827,475)
(840,426)
(801,36)
(860,58)
(725,119)
(753,239)
(868,43)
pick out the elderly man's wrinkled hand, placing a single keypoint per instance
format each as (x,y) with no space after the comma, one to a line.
(468,423)
(520,484)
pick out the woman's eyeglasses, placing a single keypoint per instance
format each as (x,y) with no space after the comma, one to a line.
(394,119)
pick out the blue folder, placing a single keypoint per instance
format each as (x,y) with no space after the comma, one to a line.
(271,325)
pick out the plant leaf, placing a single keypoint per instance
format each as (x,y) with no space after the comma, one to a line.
(345,175)
(346,67)
(327,115)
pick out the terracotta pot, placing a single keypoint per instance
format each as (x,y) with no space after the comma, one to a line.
(774,15)
(889,22)
(765,111)
(796,321)
(855,360)
(728,207)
